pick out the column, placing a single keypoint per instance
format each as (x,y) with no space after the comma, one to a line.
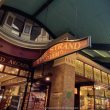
(63,84)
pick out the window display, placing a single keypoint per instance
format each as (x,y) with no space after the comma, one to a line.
(86,98)
(101,98)
(38,97)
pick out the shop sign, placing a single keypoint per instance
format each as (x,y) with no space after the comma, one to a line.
(104,78)
(79,67)
(63,48)
(97,75)
(88,71)
(12,62)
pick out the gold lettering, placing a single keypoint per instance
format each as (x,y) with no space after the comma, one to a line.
(15,63)
(71,45)
(60,46)
(10,62)
(77,46)
(65,46)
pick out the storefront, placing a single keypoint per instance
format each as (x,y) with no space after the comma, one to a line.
(56,81)
(89,100)
(15,78)
(74,78)
(92,81)
(94,86)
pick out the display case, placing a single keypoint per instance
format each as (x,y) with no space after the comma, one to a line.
(86,98)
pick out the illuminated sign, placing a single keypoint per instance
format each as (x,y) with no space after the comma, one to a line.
(63,48)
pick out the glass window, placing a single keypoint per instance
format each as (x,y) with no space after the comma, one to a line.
(24,73)
(17,24)
(27,29)
(86,98)
(11,70)
(10,20)
(35,32)
(43,32)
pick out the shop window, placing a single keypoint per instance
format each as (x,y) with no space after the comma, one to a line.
(11,70)
(86,98)
(24,73)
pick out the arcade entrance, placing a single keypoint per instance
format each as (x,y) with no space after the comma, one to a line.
(15,78)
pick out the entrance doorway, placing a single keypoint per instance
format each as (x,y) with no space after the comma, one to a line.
(81,93)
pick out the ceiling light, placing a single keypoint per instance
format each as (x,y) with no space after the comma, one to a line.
(47,78)
(37,83)
(1,66)
(98,88)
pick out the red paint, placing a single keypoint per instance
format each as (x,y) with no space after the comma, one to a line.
(21,52)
